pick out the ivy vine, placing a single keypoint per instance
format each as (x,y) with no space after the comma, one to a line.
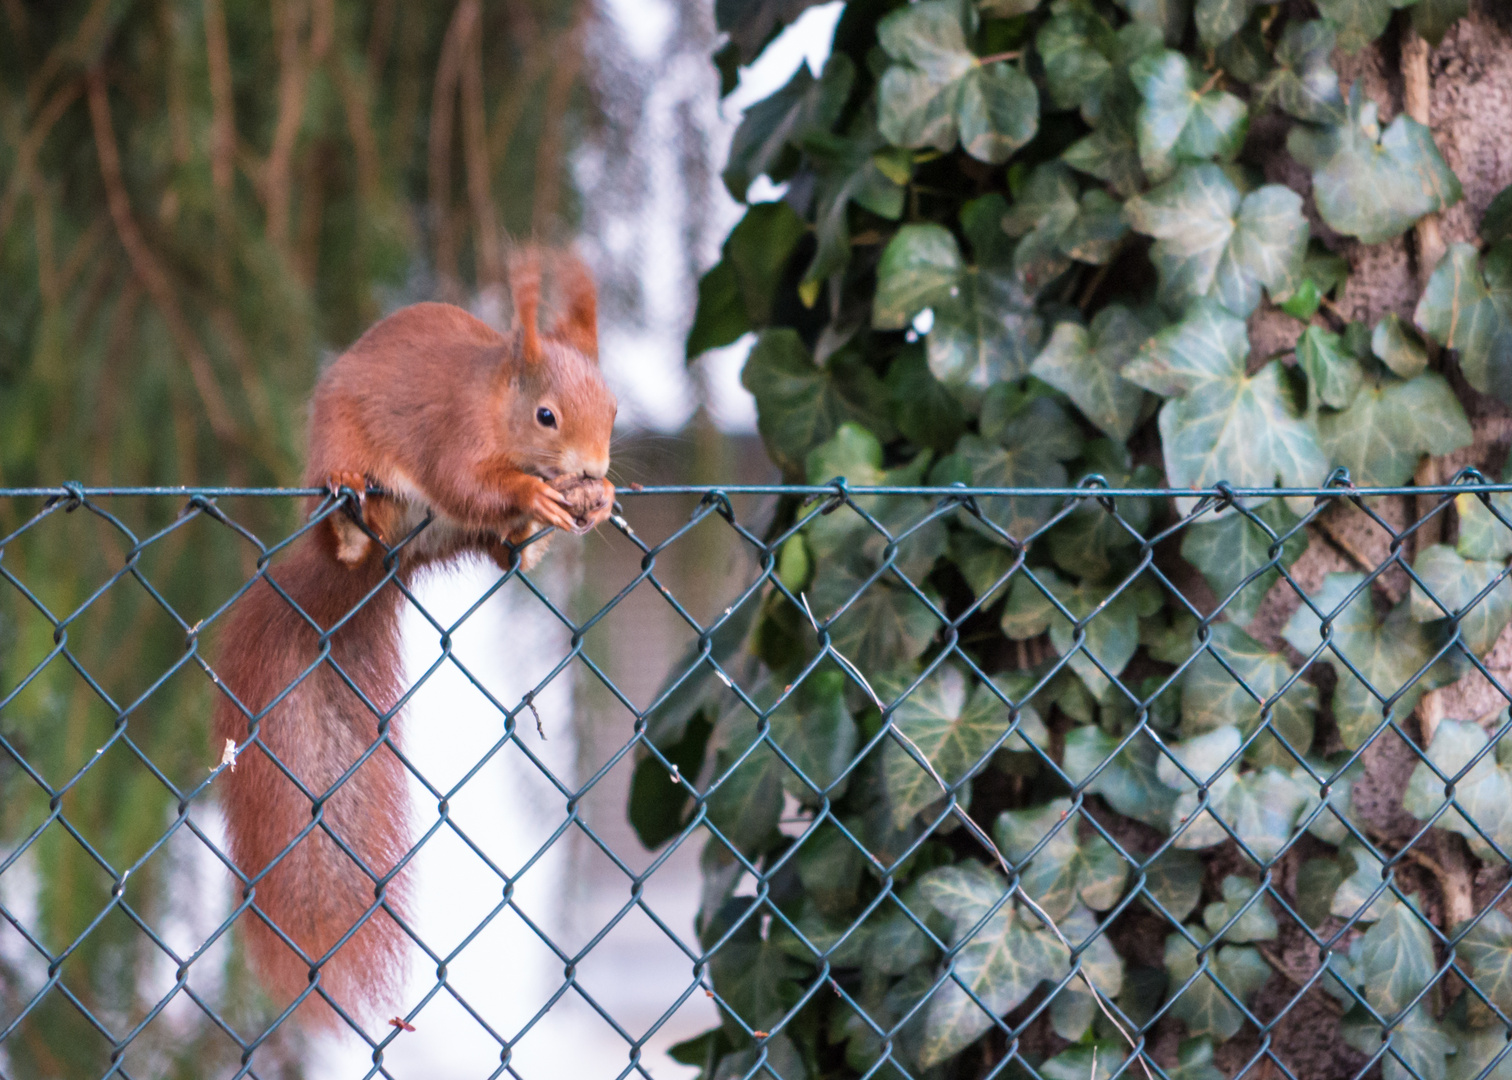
(1020,243)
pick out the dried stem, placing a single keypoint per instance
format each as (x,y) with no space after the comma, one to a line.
(1417,96)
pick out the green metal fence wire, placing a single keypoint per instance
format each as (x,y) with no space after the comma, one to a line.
(1334,640)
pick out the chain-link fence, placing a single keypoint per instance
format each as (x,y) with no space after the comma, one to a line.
(1225,793)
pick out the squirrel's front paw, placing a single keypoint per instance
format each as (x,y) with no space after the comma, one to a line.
(590,501)
(551,506)
(352,543)
(603,509)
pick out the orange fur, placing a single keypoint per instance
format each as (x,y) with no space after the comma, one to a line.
(525,290)
(442,413)
(577,325)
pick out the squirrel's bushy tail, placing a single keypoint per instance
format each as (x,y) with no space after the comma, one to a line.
(327,882)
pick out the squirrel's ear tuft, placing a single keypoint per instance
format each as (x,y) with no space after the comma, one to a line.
(525,291)
(577,325)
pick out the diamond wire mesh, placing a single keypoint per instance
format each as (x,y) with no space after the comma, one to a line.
(1232,775)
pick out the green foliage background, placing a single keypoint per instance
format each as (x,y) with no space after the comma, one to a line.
(1018,246)
(197,199)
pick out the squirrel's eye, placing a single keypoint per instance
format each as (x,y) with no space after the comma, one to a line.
(545,417)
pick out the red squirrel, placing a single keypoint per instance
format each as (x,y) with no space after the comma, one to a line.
(492,436)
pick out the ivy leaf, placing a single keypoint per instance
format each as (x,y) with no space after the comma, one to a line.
(1111,152)
(1245,57)
(1469,309)
(1260,807)
(771,129)
(1481,534)
(953,726)
(937,90)
(1212,242)
(863,170)
(800,404)
(1496,223)
(1205,1008)
(1399,347)
(919,267)
(1359,21)
(1177,122)
(1456,582)
(1212,697)
(1256,924)
(1329,825)
(990,464)
(1433,18)
(925,410)
(719,317)
(1092,542)
(1100,1061)
(1219,20)
(1334,373)
(1203,756)
(1391,424)
(756,978)
(1304,82)
(1058,227)
(1418,1044)
(887,625)
(1488,949)
(1227,551)
(1084,364)
(1174,878)
(1111,635)
(747,803)
(1077,47)
(1388,652)
(1194,1061)
(1129,782)
(984,333)
(1068,868)
(1001,963)
(1483,795)
(1354,893)
(1222,423)
(1396,959)
(815,729)
(984,329)
(736,294)
(1475,1049)
(1372,184)
(1073,1010)
(1167,18)
(783,1059)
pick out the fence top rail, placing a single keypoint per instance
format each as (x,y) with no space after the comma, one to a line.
(1091,486)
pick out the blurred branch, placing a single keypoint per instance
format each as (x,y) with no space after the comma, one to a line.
(443,100)
(293,74)
(490,269)
(548,170)
(147,270)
